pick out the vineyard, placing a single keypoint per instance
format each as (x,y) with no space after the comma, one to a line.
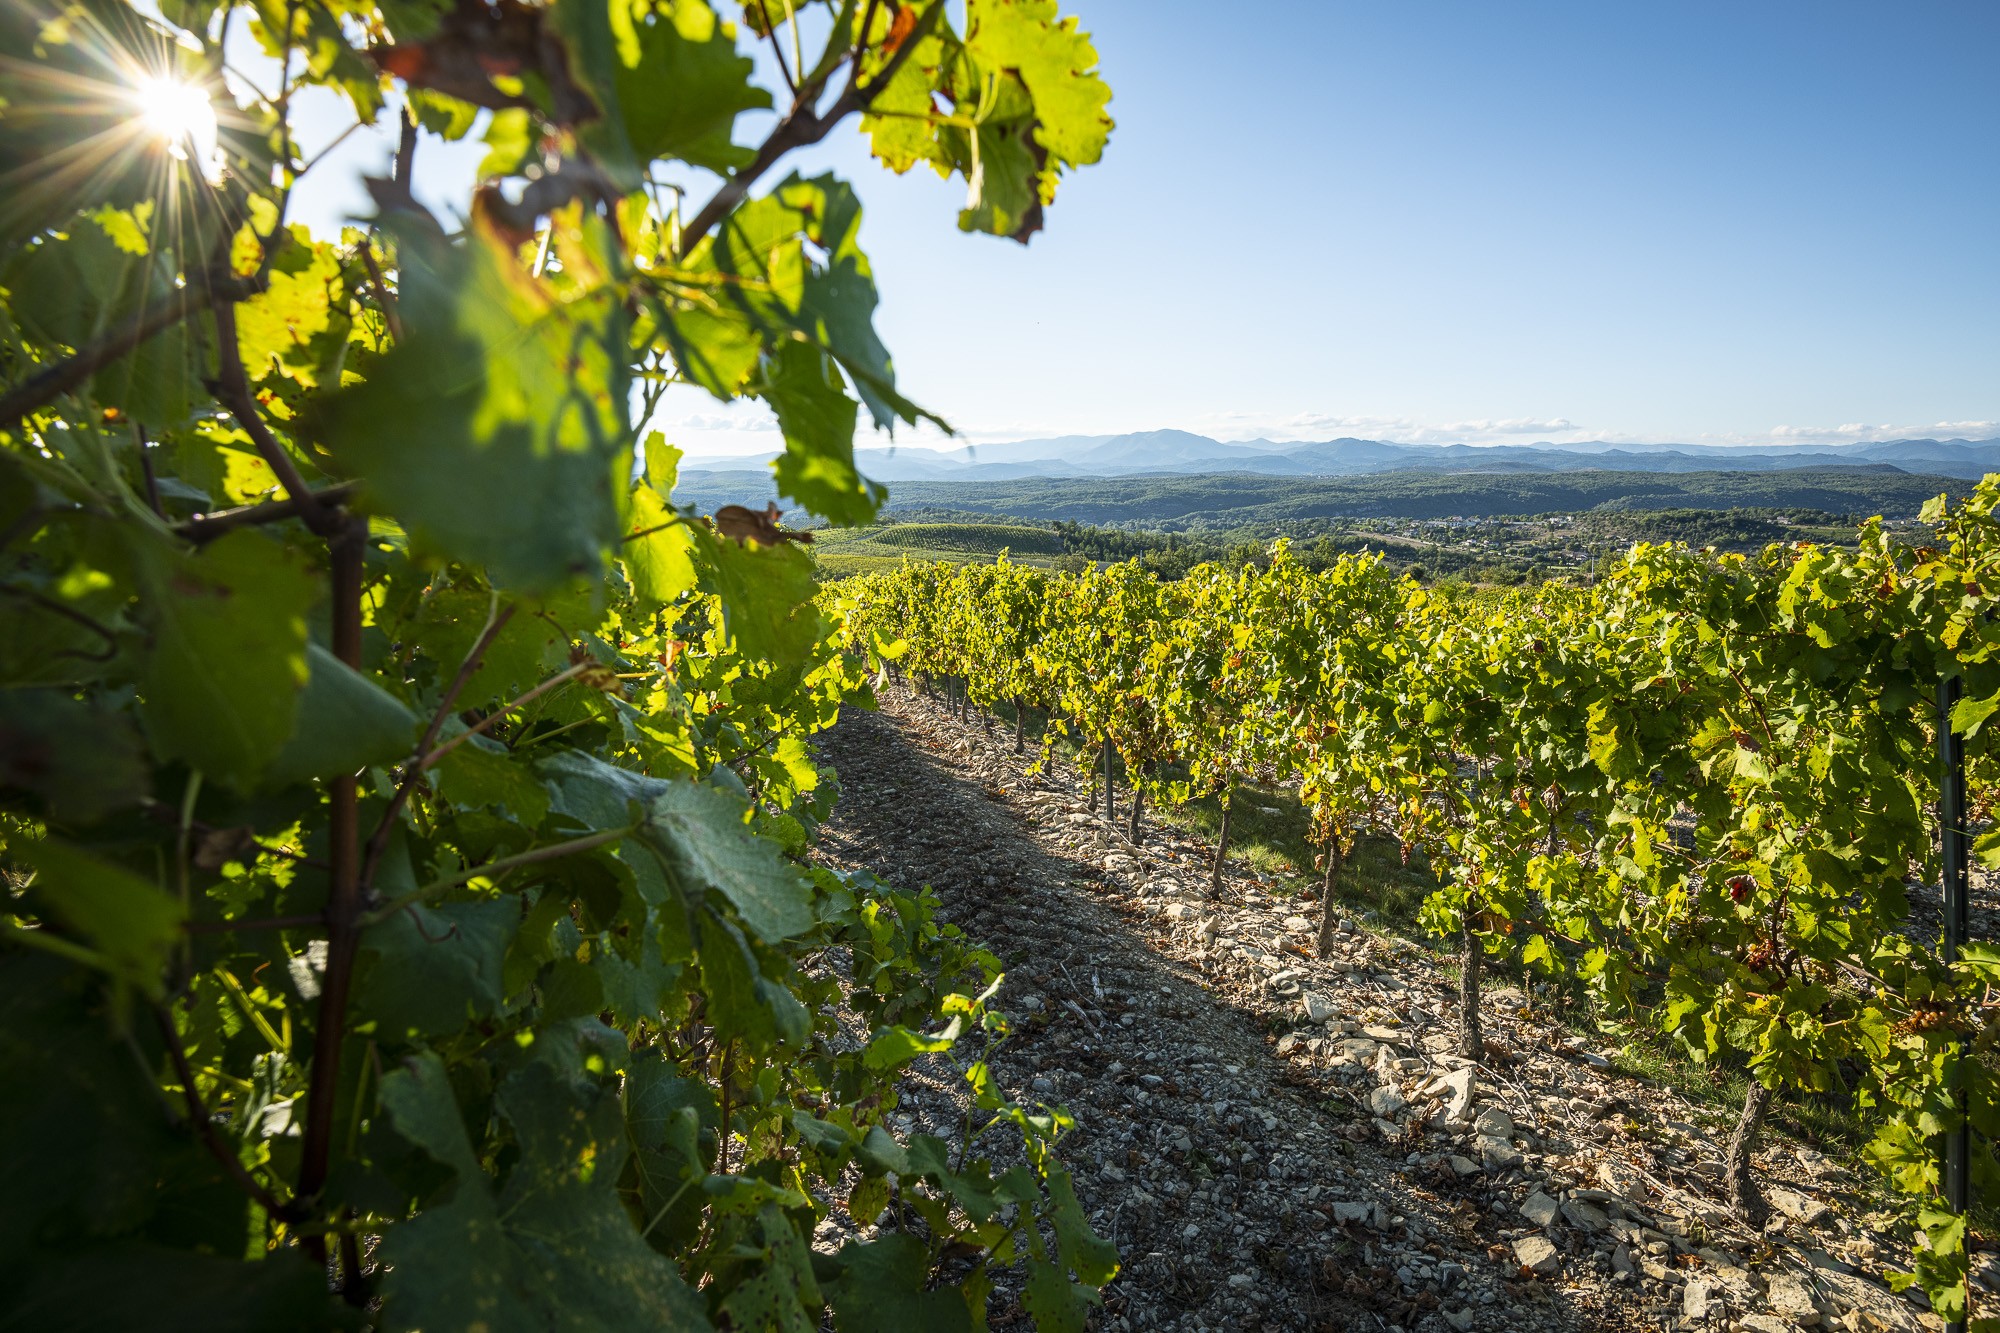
(1703,793)
(839,552)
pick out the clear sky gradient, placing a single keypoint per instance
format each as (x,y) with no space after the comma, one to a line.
(1714,222)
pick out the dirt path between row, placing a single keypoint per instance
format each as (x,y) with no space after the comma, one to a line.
(1280,1141)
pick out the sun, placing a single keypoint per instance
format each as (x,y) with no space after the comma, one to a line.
(180,116)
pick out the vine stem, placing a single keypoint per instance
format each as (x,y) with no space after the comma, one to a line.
(207,527)
(343,916)
(232,387)
(560,678)
(802,126)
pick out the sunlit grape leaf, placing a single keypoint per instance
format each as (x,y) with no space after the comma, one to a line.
(766,594)
(228,657)
(901,128)
(817,419)
(495,432)
(1005,197)
(345,723)
(1059,66)
(762,289)
(1093,1258)
(1970,714)
(78,285)
(895,1046)
(669,78)
(441,113)
(275,329)
(659,550)
(837,302)
(700,831)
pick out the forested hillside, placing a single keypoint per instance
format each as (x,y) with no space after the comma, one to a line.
(1221,502)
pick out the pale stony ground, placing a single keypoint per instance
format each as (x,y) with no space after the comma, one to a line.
(1276,1140)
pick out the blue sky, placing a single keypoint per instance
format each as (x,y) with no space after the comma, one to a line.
(1738,222)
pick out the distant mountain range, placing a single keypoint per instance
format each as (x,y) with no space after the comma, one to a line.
(1172,452)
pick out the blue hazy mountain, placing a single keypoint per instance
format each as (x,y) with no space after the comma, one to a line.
(1182,452)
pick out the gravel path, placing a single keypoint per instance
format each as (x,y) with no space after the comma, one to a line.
(1280,1141)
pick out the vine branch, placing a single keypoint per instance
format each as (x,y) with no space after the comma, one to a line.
(59,378)
(803,127)
(378,841)
(204,1128)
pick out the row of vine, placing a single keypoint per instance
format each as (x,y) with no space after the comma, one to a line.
(1704,788)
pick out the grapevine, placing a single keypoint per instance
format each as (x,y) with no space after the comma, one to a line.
(405,805)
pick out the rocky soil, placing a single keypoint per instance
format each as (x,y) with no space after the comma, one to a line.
(1278,1140)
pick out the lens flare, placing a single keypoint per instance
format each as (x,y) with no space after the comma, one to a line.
(181,117)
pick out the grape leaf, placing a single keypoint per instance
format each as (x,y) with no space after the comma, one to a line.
(671,1121)
(882,1289)
(228,659)
(481,773)
(669,78)
(130,1284)
(766,594)
(495,431)
(659,550)
(780,1292)
(1056,62)
(553,1249)
(428,971)
(83,760)
(699,829)
(345,723)
(127,921)
(817,419)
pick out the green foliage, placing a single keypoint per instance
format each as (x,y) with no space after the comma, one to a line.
(406,804)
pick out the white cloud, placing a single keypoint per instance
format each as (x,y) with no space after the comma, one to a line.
(1857,431)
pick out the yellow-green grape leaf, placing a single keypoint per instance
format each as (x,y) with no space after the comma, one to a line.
(1059,66)
(495,432)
